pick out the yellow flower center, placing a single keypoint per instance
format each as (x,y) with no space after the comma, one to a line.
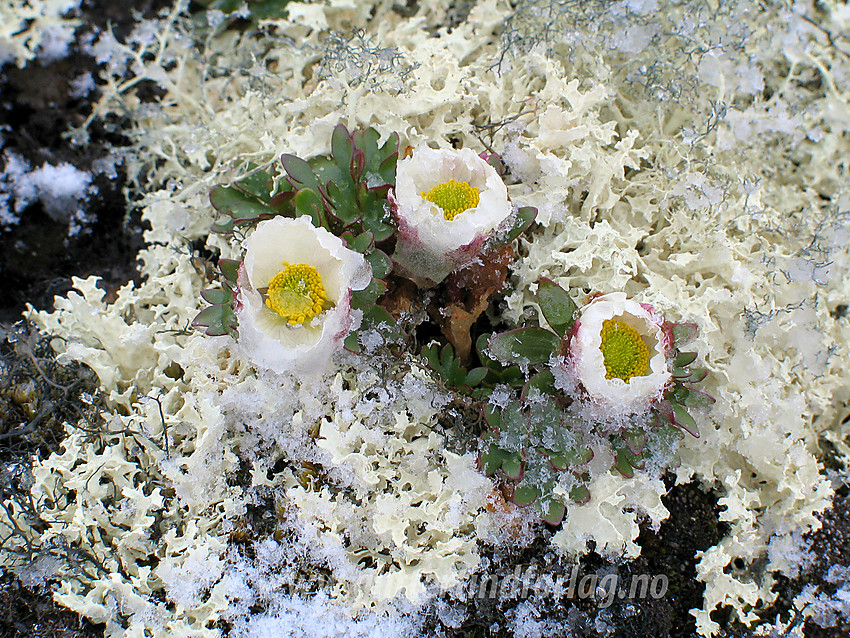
(453,197)
(296,293)
(625,353)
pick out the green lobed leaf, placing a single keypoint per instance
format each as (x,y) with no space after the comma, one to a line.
(544,416)
(570,457)
(307,202)
(211,315)
(327,171)
(283,202)
(524,346)
(363,242)
(376,315)
(634,439)
(375,211)
(432,355)
(662,444)
(358,164)
(544,381)
(552,511)
(510,423)
(374,290)
(257,184)
(684,420)
(623,465)
(387,169)
(446,356)
(223,197)
(679,394)
(217,296)
(580,494)
(491,460)
(697,399)
(698,375)
(483,355)
(512,466)
(557,306)
(513,421)
(300,172)
(341,147)
(475,376)
(683,333)
(352,342)
(218,320)
(524,218)
(223,225)
(381,264)
(249,211)
(684,359)
(367,141)
(343,200)
(525,495)
(493,416)
(229,269)
(268,9)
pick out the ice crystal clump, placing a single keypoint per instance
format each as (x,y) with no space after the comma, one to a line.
(62,189)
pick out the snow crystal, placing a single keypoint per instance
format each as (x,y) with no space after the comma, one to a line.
(60,188)
(791,553)
(318,617)
(527,623)
(185,583)
(825,610)
(633,40)
(642,7)
(81,85)
(35,574)
(54,42)
(450,616)
(371,340)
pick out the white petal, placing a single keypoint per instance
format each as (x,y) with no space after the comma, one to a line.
(588,363)
(266,338)
(430,246)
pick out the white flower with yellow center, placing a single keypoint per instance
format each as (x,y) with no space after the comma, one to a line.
(618,352)
(446,203)
(294,301)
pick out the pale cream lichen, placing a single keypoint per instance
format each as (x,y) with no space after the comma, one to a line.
(708,229)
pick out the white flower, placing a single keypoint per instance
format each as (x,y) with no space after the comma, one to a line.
(294,300)
(618,352)
(446,202)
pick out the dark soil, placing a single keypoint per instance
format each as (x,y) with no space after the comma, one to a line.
(37,257)
(37,396)
(830,546)
(24,614)
(671,551)
(37,260)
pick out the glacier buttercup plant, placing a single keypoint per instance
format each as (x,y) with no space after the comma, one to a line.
(618,352)
(446,204)
(610,375)
(294,295)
